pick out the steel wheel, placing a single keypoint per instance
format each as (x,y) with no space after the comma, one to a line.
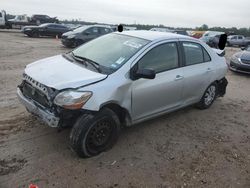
(99,136)
(95,133)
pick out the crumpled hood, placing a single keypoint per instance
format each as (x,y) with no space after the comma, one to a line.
(59,73)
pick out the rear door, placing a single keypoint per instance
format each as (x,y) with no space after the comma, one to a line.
(197,71)
(152,96)
(90,34)
(51,30)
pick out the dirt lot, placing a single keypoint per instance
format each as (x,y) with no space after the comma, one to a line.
(187,148)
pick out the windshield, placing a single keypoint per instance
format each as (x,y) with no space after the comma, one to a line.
(43,25)
(110,51)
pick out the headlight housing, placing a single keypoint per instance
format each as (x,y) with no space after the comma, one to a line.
(71,99)
(236,59)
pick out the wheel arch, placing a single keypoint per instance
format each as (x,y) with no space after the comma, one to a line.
(122,113)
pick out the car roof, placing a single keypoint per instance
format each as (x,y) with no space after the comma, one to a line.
(99,25)
(153,35)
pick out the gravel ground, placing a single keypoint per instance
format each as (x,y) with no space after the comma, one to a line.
(187,148)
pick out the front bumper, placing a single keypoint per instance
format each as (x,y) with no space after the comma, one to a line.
(239,67)
(47,117)
(68,42)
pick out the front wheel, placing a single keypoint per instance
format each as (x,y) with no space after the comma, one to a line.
(93,134)
(208,97)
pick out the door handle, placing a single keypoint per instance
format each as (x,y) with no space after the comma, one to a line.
(209,69)
(178,77)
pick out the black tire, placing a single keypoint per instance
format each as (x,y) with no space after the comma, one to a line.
(35,34)
(206,101)
(93,134)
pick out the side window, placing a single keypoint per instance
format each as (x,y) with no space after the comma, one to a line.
(104,30)
(195,53)
(95,30)
(234,38)
(92,31)
(161,58)
(240,37)
(51,26)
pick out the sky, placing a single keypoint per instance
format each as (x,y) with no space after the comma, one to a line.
(174,13)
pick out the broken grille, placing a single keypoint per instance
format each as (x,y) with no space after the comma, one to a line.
(35,94)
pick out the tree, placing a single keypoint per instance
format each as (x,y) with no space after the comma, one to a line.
(204,27)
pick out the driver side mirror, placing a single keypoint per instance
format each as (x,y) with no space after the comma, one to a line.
(143,73)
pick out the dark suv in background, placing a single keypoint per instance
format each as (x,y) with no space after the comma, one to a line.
(40,19)
(84,34)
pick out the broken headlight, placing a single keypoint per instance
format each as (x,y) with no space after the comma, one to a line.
(72,99)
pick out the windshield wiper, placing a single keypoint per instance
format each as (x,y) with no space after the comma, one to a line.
(78,58)
(84,60)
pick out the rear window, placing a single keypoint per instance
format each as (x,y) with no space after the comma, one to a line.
(195,53)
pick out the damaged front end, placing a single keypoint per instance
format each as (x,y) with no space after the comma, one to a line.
(38,100)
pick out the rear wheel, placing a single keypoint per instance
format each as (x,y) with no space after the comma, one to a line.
(35,34)
(93,134)
(208,97)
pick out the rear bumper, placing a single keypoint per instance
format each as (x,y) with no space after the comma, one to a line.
(239,67)
(222,86)
(47,117)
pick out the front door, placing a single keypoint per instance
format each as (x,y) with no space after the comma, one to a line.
(152,96)
(90,34)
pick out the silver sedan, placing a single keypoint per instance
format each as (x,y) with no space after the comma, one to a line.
(121,79)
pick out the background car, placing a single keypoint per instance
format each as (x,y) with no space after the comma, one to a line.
(40,19)
(238,40)
(47,29)
(84,34)
(210,34)
(180,32)
(213,41)
(240,61)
